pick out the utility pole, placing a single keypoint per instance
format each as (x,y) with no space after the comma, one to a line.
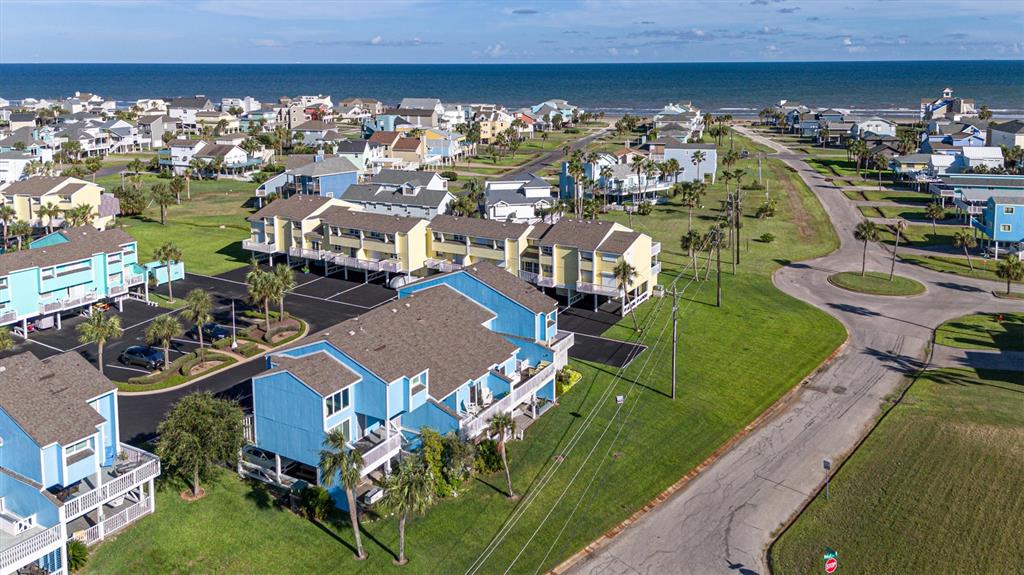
(732,231)
(675,337)
(739,214)
(718,273)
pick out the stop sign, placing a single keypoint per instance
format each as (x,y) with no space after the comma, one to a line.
(831,564)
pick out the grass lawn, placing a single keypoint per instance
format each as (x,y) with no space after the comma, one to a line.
(876,283)
(905,212)
(507,161)
(208,228)
(921,235)
(907,197)
(729,374)
(983,268)
(935,489)
(983,331)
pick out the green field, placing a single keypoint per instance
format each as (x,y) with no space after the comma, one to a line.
(911,213)
(876,283)
(983,331)
(983,268)
(907,197)
(934,489)
(208,228)
(922,235)
(729,374)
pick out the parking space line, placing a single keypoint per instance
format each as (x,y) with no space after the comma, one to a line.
(346,291)
(127,368)
(124,329)
(307,283)
(189,341)
(300,294)
(56,349)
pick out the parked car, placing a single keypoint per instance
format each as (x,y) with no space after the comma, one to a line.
(211,332)
(1003,251)
(257,456)
(145,356)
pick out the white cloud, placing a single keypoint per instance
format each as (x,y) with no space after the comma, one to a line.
(847,41)
(376,40)
(266,43)
(496,51)
(613,51)
(855,49)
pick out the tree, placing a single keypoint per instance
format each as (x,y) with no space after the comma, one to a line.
(338,460)
(934,211)
(200,432)
(965,239)
(900,226)
(198,310)
(984,113)
(163,197)
(696,159)
(407,492)
(261,287)
(285,283)
(21,231)
(72,149)
(161,331)
(503,425)
(50,211)
(6,341)
(78,555)
(692,193)
(689,242)
(168,253)
(866,231)
(463,206)
(80,215)
(624,275)
(7,215)
(671,166)
(177,186)
(1011,269)
(99,328)
(93,165)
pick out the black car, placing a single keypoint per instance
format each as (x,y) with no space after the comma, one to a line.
(143,356)
(211,332)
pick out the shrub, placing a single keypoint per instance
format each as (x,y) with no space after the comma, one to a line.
(571,130)
(767,209)
(78,555)
(487,459)
(450,175)
(753,185)
(567,378)
(159,376)
(315,503)
(432,451)
(644,209)
(222,343)
(280,327)
(767,237)
(248,349)
(458,456)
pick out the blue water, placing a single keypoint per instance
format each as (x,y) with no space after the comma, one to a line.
(741,88)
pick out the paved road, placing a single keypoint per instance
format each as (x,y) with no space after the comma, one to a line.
(556,155)
(723,521)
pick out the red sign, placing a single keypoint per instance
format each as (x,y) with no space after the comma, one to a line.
(831,564)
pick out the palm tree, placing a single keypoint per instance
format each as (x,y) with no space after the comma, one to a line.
(866,231)
(698,157)
(177,186)
(7,215)
(408,492)
(690,198)
(689,242)
(261,287)
(503,425)
(984,113)
(338,460)
(99,328)
(900,226)
(285,283)
(198,310)
(638,167)
(21,230)
(50,211)
(161,331)
(163,197)
(187,174)
(168,253)
(934,211)
(80,215)
(1011,269)
(965,239)
(6,341)
(672,167)
(624,275)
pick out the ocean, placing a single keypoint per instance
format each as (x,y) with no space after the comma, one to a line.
(892,88)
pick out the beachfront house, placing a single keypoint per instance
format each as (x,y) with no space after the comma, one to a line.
(384,376)
(185,110)
(947,106)
(64,473)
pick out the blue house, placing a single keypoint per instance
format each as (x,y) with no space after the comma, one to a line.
(1002,221)
(63,471)
(70,269)
(328,177)
(450,353)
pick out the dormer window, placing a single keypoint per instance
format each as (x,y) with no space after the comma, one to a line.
(337,402)
(76,448)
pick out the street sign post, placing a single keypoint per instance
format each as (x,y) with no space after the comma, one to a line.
(831,559)
(827,465)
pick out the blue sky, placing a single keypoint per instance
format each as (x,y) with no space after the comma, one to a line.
(431,31)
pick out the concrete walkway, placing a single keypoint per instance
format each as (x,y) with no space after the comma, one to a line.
(724,520)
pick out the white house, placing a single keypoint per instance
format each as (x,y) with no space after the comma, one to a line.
(247,104)
(180,153)
(863,128)
(521,198)
(978,156)
(13,164)
(185,109)
(688,169)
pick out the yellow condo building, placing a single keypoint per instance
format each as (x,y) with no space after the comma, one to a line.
(29,195)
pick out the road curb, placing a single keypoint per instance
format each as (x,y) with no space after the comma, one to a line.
(773,410)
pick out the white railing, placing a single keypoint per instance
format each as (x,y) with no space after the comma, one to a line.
(635,302)
(30,549)
(473,427)
(117,290)
(248,429)
(563,340)
(8,316)
(116,522)
(381,452)
(298,252)
(655,268)
(599,289)
(116,487)
(369,265)
(51,306)
(443,265)
(546,282)
(255,246)
(134,279)
(655,248)
(528,276)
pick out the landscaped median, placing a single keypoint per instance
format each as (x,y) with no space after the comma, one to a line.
(253,341)
(1003,331)
(876,283)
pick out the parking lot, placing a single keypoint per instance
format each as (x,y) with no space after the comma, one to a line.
(590,345)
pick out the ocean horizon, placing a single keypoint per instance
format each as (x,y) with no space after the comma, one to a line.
(885,87)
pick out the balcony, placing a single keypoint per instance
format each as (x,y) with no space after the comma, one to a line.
(655,248)
(117,290)
(530,277)
(530,381)
(393,266)
(443,265)
(377,449)
(255,246)
(31,547)
(134,279)
(123,517)
(69,303)
(655,268)
(562,341)
(297,252)
(134,469)
(8,316)
(599,289)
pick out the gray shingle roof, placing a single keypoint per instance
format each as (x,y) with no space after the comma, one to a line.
(512,287)
(618,242)
(83,242)
(419,103)
(399,177)
(366,221)
(297,207)
(1011,127)
(477,227)
(320,371)
(48,399)
(37,186)
(325,167)
(374,192)
(586,235)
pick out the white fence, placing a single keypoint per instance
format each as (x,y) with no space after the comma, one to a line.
(475,426)
(116,487)
(30,549)
(116,522)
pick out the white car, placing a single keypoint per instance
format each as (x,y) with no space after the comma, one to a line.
(1003,251)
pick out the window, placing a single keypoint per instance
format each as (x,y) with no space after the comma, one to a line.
(337,402)
(1005,228)
(1008,210)
(546,250)
(611,258)
(587,256)
(80,446)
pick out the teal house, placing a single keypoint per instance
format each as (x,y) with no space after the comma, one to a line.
(64,474)
(70,269)
(1002,222)
(451,352)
